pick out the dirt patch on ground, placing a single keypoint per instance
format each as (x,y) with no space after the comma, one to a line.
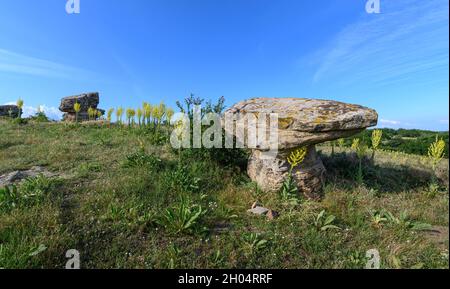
(438,235)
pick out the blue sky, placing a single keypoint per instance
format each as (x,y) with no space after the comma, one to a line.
(396,62)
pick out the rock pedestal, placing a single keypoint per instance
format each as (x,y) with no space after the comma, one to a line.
(86,101)
(301,123)
(270,173)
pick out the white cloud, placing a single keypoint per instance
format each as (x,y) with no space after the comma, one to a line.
(50,111)
(389,122)
(444,121)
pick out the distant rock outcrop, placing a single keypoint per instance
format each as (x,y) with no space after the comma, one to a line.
(9,110)
(86,101)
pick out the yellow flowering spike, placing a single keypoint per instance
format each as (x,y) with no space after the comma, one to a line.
(297,157)
(77,107)
(436,151)
(169,114)
(110,112)
(376,138)
(19,103)
(355,144)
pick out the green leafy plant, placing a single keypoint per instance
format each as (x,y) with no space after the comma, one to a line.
(181,180)
(183,217)
(289,192)
(324,221)
(405,222)
(253,243)
(378,218)
(30,192)
(9,198)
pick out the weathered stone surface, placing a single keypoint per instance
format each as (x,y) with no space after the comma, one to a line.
(270,173)
(85,100)
(9,110)
(17,176)
(309,121)
(259,211)
(82,116)
(301,122)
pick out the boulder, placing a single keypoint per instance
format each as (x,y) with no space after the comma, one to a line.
(301,123)
(86,101)
(9,110)
(18,176)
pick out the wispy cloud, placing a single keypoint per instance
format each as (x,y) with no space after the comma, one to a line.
(408,38)
(389,122)
(22,64)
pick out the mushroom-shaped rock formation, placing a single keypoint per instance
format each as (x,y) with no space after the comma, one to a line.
(86,101)
(301,123)
(9,110)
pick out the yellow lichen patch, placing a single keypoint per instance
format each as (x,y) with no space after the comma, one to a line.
(320,120)
(285,123)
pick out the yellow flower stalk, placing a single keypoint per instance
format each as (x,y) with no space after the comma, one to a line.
(147,112)
(109,115)
(297,157)
(360,150)
(130,116)
(119,113)
(436,152)
(376,141)
(20,106)
(76,108)
(169,114)
(139,115)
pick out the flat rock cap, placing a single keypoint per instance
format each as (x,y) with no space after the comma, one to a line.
(86,100)
(309,121)
(310,115)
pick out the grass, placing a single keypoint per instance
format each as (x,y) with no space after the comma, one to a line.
(123,204)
